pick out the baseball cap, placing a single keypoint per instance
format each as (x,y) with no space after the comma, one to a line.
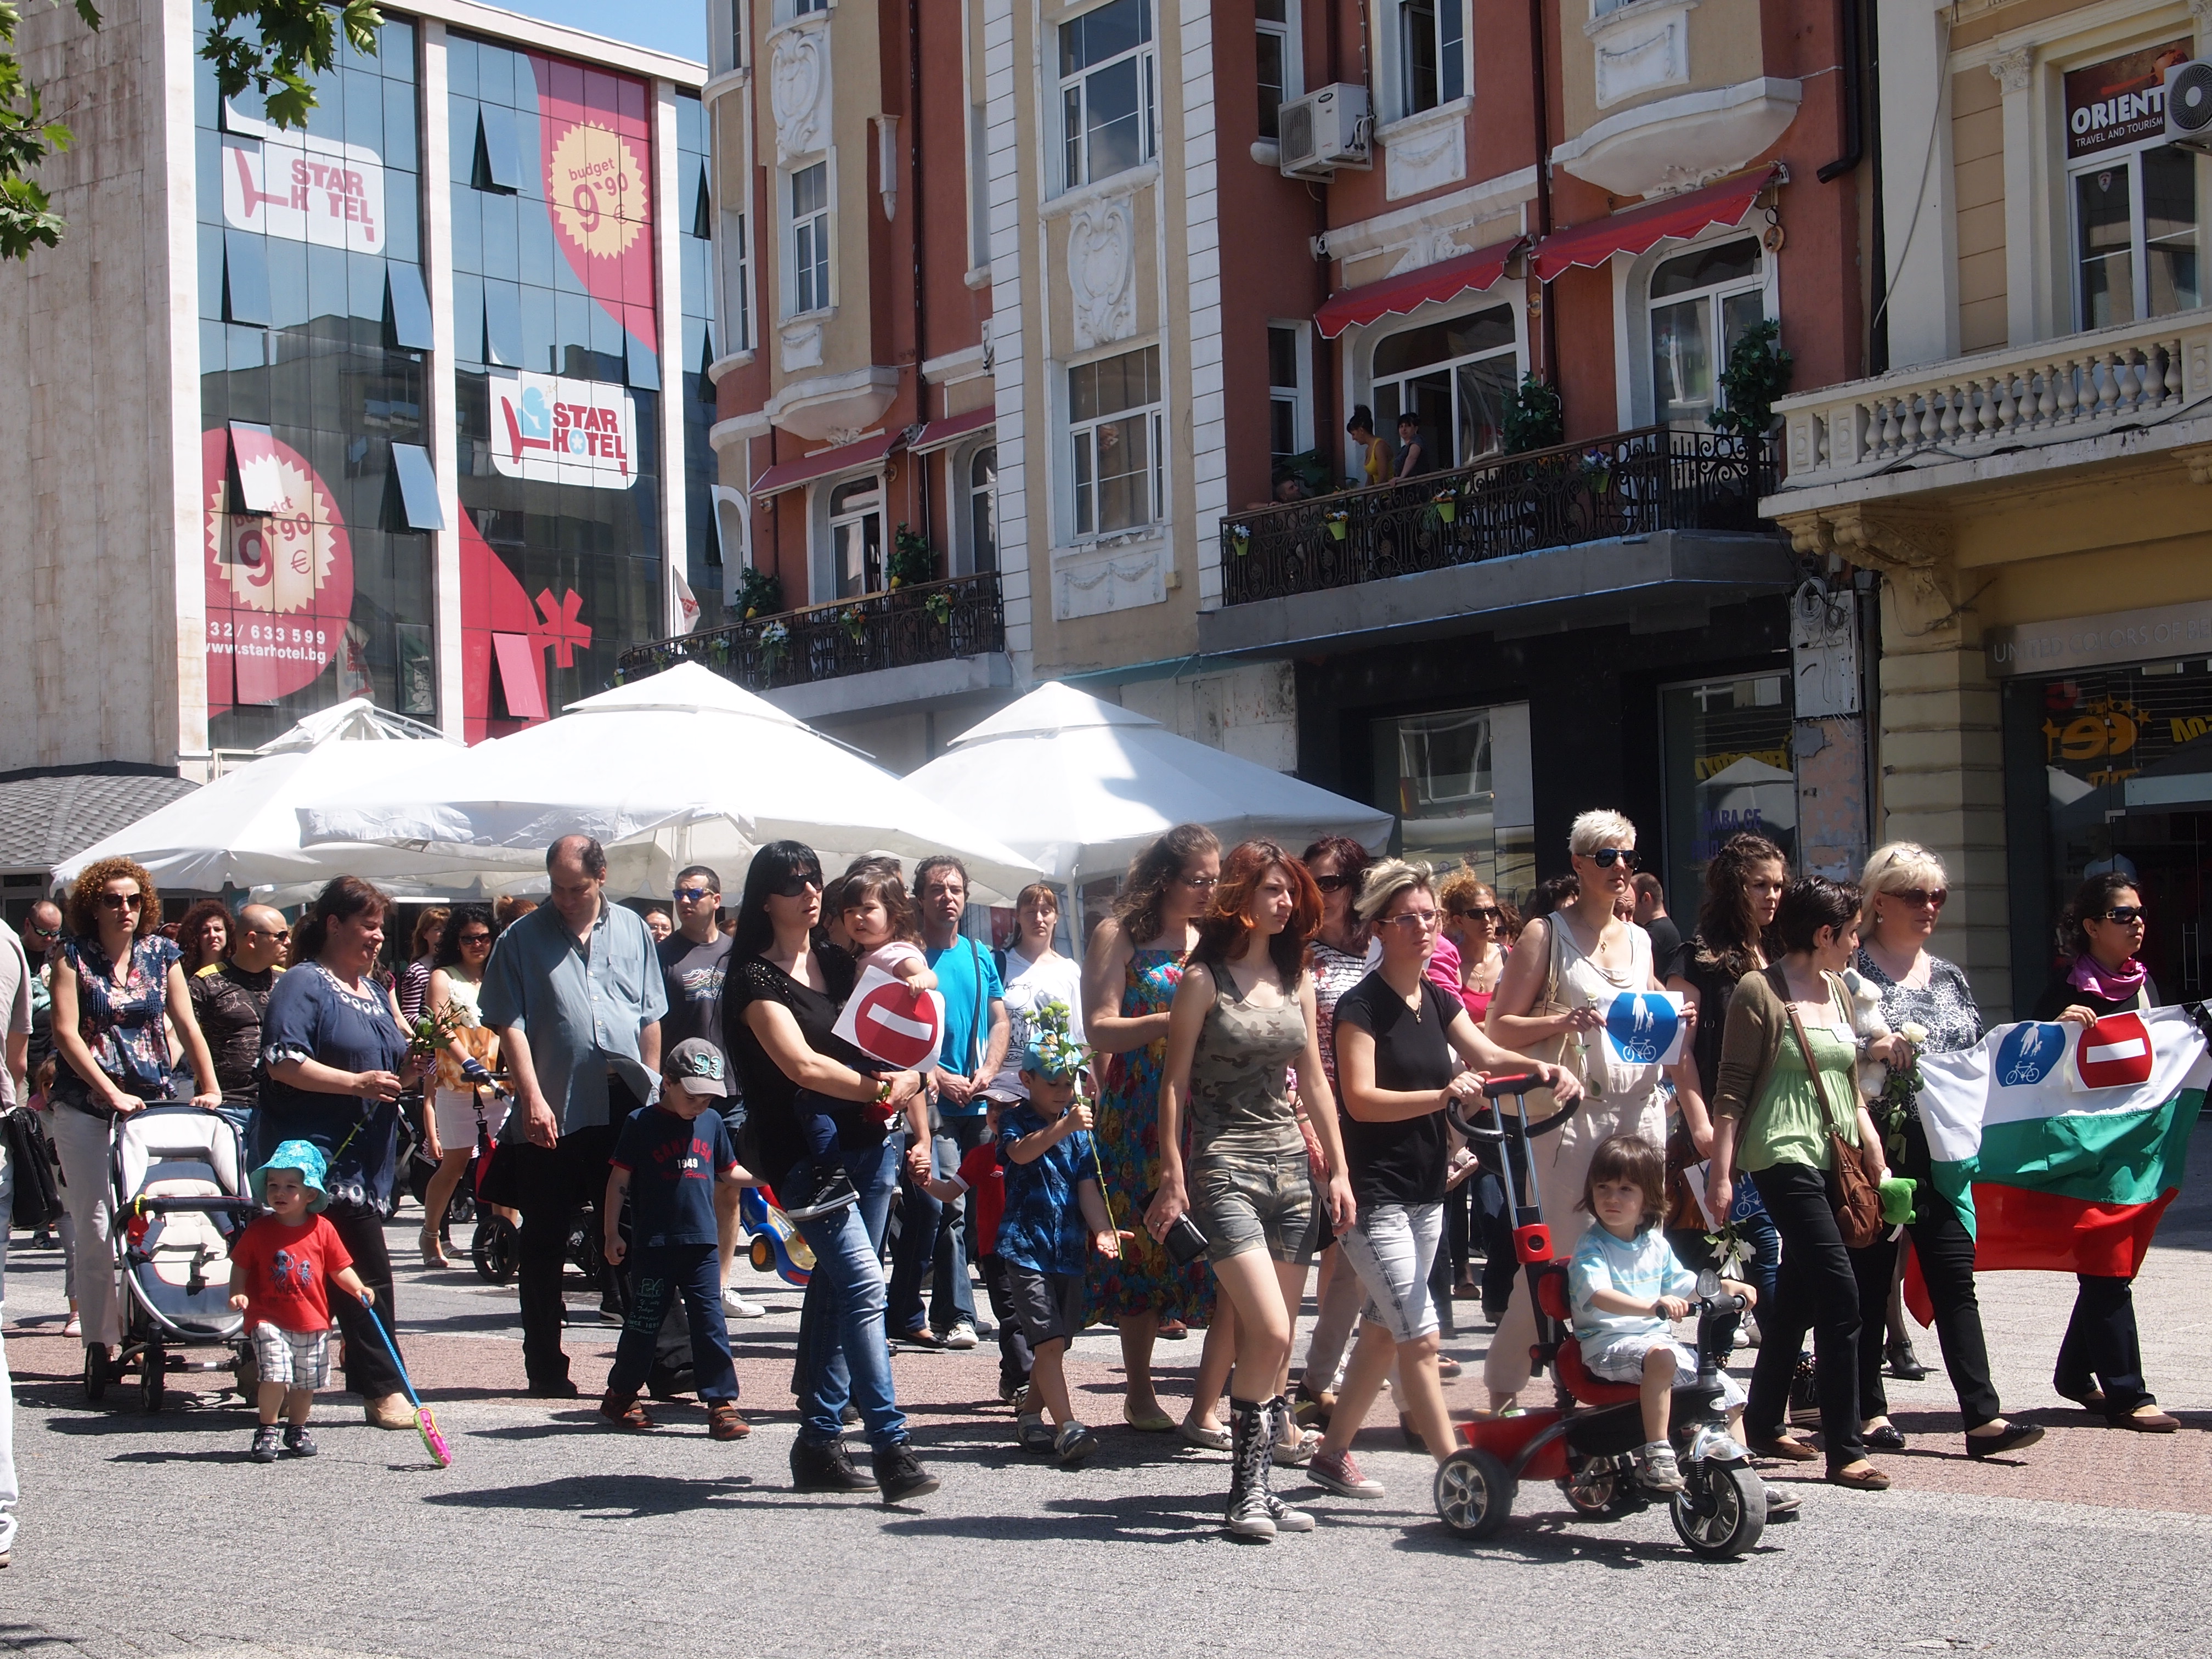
(696,1066)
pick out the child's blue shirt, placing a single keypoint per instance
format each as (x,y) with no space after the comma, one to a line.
(1042,1228)
(1643,1267)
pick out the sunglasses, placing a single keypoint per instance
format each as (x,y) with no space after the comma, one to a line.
(1202,884)
(2125,914)
(797,883)
(1921,898)
(1331,883)
(41,932)
(696,895)
(467,939)
(1605,857)
(1489,913)
(1422,920)
(285,932)
(121,901)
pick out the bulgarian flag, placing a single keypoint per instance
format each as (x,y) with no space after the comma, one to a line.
(2063,1144)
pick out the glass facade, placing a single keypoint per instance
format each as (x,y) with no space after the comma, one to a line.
(313,331)
(703,543)
(1459,780)
(1725,747)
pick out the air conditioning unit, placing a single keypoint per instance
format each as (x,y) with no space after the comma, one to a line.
(2189,105)
(1324,130)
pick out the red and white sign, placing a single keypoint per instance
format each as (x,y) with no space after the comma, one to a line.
(279,583)
(302,188)
(2114,1053)
(557,430)
(888,1019)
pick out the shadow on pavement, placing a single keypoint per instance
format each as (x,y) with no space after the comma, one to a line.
(620,1497)
(1551,1541)
(1130,1521)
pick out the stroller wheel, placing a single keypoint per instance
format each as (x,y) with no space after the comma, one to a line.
(1473,1493)
(95,1372)
(1721,1510)
(153,1378)
(495,1248)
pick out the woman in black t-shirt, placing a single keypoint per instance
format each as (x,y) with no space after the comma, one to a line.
(779,1004)
(1403,1048)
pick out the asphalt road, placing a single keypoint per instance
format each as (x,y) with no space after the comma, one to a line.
(550,1534)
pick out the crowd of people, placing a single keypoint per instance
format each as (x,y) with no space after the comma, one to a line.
(1252,1069)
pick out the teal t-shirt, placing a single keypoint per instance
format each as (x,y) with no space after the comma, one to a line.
(967,980)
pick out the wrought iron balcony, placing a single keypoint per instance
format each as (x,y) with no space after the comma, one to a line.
(1632,483)
(904,628)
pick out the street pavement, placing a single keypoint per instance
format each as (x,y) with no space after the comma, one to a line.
(551,1534)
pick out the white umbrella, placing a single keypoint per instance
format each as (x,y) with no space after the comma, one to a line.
(1080,787)
(680,767)
(1744,770)
(243,831)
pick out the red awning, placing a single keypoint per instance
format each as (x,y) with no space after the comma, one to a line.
(1645,227)
(1393,296)
(937,434)
(786,474)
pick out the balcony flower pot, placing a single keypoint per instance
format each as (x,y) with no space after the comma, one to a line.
(1339,524)
(855,622)
(1240,539)
(1447,505)
(939,607)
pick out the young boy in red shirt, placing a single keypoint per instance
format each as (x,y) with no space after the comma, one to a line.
(277,1270)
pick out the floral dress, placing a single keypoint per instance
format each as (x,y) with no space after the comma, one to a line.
(1143,1280)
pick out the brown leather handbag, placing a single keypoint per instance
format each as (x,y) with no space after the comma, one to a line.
(1855,1199)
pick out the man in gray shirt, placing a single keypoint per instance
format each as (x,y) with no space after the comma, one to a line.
(574,991)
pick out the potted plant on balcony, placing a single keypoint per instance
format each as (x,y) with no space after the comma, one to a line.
(1536,419)
(1446,503)
(1240,539)
(1339,522)
(774,640)
(1597,470)
(1758,371)
(912,560)
(939,607)
(758,594)
(854,621)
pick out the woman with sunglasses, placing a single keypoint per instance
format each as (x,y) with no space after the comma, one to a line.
(115,978)
(449,1137)
(1563,973)
(1904,890)
(2100,1361)
(786,985)
(1484,926)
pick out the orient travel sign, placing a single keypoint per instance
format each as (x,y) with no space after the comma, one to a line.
(302,188)
(558,430)
(2121,100)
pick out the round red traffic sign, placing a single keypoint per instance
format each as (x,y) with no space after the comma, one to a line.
(2115,1053)
(897,1023)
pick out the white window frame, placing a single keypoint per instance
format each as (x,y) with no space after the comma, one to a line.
(1146,54)
(2130,156)
(1398,103)
(960,487)
(1644,268)
(826,219)
(737,281)
(1300,397)
(1506,296)
(736,38)
(822,566)
(1290,31)
(1082,498)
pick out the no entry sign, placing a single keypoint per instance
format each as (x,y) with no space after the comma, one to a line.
(2115,1052)
(888,1020)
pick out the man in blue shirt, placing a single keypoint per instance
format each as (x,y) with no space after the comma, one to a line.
(574,991)
(974,1047)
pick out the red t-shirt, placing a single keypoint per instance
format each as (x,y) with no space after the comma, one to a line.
(988,1180)
(287,1269)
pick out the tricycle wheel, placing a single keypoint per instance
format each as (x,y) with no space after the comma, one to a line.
(1721,1510)
(95,1372)
(1595,1494)
(1473,1493)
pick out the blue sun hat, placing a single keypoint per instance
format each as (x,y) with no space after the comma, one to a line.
(305,1159)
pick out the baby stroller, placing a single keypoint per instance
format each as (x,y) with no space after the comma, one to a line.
(180,1199)
(1587,1441)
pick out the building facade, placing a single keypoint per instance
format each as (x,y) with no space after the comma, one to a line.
(403,406)
(2028,480)
(1170,247)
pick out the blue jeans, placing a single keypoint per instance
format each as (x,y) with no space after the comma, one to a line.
(930,1241)
(845,1355)
(656,1278)
(874,1176)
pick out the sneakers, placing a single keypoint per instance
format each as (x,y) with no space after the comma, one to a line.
(298,1442)
(1251,1431)
(723,1422)
(265,1444)
(1073,1443)
(1747,1330)
(623,1411)
(1278,1418)
(961,1335)
(611,1315)
(899,1474)
(1336,1472)
(825,1467)
(1030,1433)
(1655,1468)
(735,1306)
(1011,1388)
(832,1189)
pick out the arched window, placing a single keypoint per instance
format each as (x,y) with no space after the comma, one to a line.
(1457,377)
(856,537)
(1702,301)
(983,509)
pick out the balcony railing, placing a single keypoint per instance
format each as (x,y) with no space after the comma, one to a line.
(1629,484)
(930,621)
(2080,385)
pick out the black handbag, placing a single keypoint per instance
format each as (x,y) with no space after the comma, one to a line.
(1184,1243)
(38,1199)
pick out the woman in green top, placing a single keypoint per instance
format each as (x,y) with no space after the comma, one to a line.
(1772,1118)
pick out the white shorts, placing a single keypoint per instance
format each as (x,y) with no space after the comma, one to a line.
(1392,1247)
(298,1360)
(1620,1359)
(457,1119)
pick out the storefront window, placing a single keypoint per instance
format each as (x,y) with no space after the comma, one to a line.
(1459,780)
(1725,747)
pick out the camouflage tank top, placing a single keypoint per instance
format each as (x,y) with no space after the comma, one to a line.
(1240,1096)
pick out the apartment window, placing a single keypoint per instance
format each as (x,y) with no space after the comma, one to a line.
(856,537)
(1277,23)
(1701,303)
(737,34)
(804,7)
(1290,418)
(1114,420)
(738,276)
(1106,91)
(2134,236)
(1457,378)
(983,508)
(810,239)
(1432,43)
